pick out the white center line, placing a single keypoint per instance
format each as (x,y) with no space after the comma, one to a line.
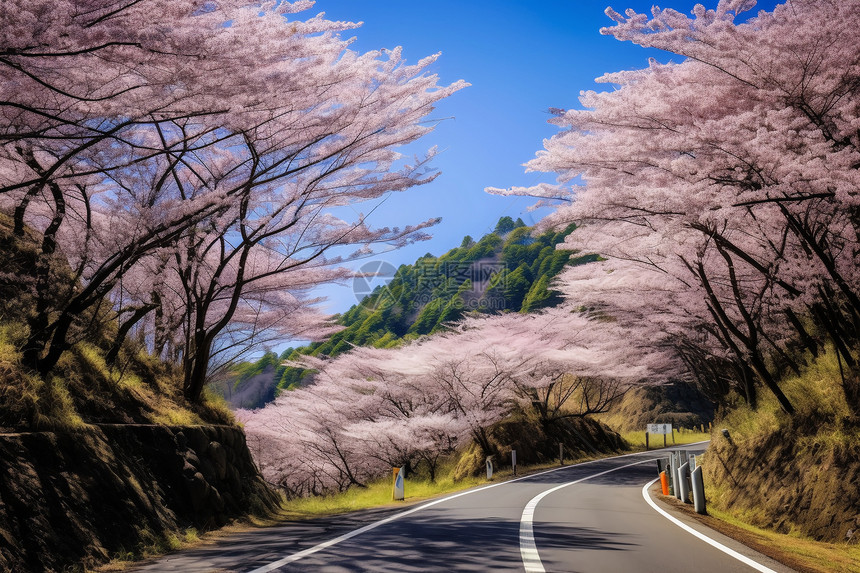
(349,535)
(528,548)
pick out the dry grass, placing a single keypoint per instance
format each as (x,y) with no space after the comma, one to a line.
(85,389)
(796,551)
(380,493)
(376,494)
(800,553)
(805,489)
(19,393)
(819,426)
(679,437)
(153,545)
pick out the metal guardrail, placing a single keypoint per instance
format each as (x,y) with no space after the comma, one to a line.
(681,477)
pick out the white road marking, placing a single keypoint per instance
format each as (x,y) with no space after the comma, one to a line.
(528,547)
(742,558)
(349,535)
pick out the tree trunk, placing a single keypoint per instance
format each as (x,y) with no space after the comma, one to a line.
(58,343)
(807,340)
(851,387)
(483,441)
(196,368)
(760,369)
(112,354)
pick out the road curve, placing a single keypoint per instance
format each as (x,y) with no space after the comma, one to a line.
(585,517)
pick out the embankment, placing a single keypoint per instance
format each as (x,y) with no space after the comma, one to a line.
(802,477)
(537,443)
(76,499)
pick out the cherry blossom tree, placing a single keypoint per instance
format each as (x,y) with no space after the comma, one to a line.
(369,409)
(200,139)
(398,417)
(733,176)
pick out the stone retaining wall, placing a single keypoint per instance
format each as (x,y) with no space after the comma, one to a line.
(75,499)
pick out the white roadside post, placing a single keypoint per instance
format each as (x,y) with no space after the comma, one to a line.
(684,487)
(399,493)
(673,474)
(489,469)
(698,491)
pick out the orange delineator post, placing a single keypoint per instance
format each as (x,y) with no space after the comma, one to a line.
(664,483)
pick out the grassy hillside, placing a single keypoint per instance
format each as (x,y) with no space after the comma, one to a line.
(680,404)
(105,459)
(508,270)
(796,474)
(83,388)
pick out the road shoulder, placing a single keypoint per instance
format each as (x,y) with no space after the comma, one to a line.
(744,542)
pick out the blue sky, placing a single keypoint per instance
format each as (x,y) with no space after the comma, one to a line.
(521,58)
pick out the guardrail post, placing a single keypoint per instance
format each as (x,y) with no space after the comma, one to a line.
(673,474)
(698,491)
(684,487)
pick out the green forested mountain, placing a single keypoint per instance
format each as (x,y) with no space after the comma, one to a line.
(508,270)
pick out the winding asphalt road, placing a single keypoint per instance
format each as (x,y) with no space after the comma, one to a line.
(591,517)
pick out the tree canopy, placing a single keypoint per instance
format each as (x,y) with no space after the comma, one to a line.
(499,273)
(185,156)
(723,191)
(719,198)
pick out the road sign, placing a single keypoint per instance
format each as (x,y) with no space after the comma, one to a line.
(659,428)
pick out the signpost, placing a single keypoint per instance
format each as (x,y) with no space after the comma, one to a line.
(658,429)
